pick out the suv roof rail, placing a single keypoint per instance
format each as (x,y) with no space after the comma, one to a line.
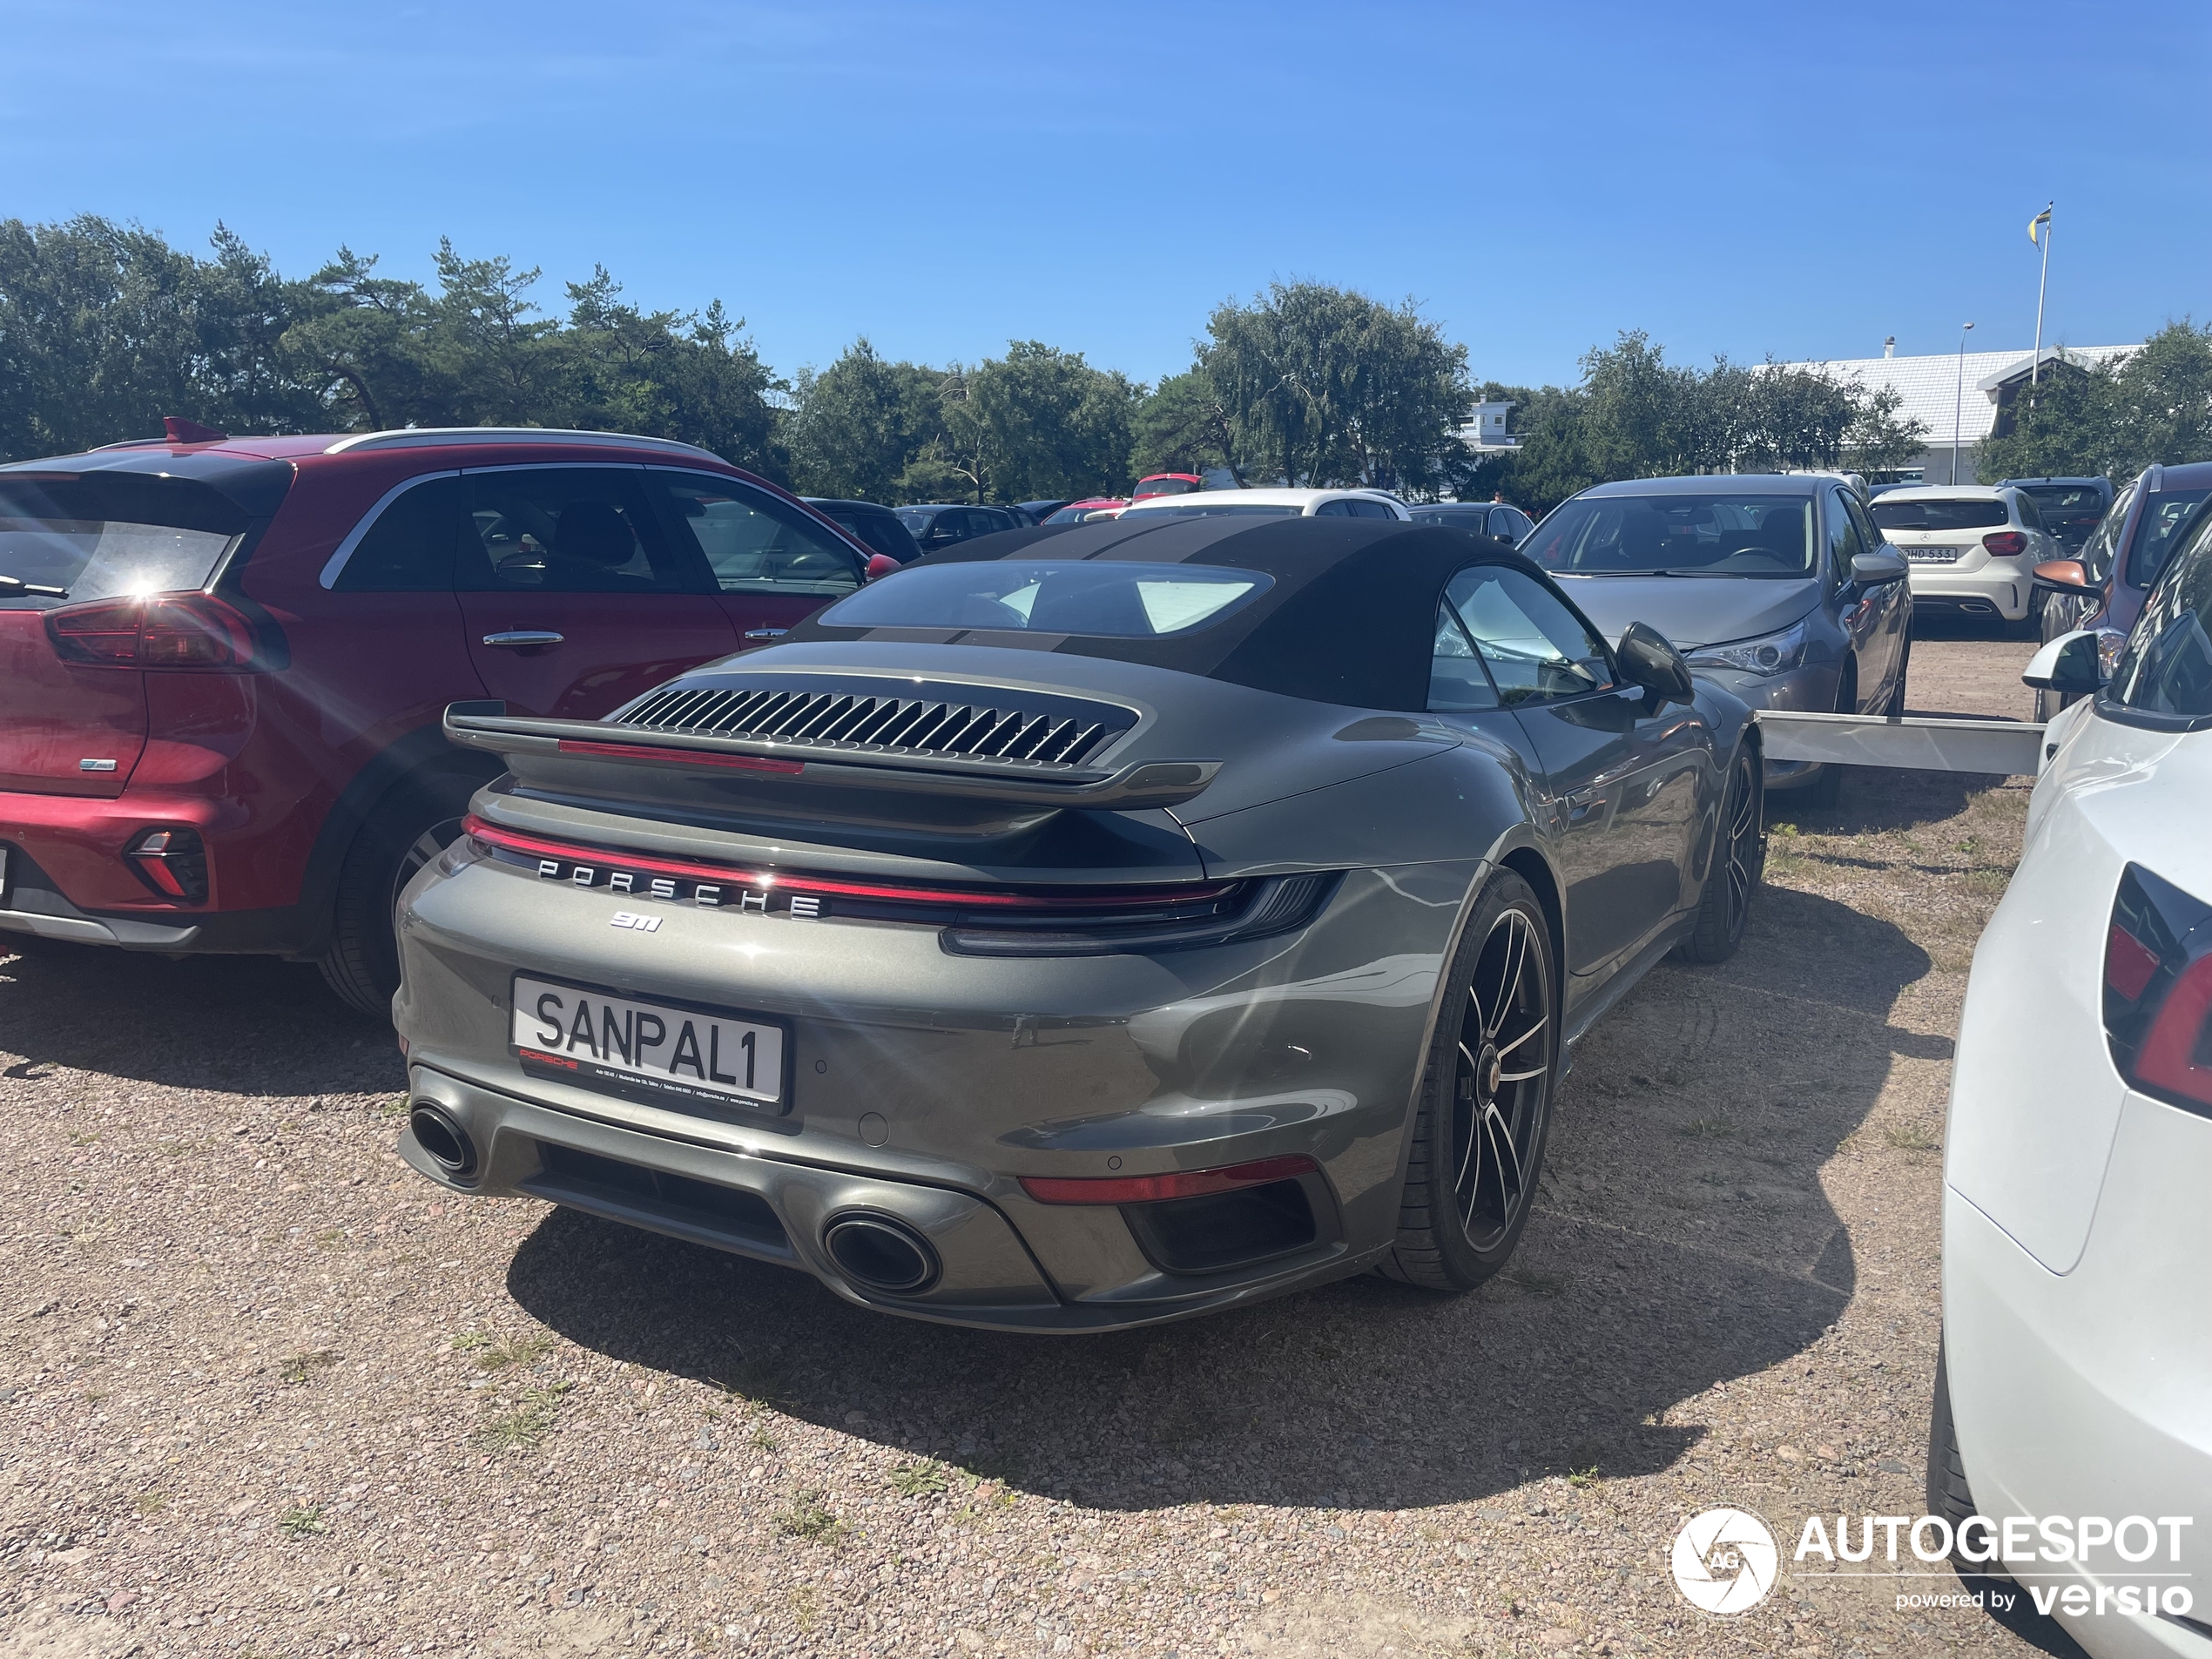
(414,437)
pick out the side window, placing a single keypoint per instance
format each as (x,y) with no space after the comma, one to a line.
(2167,667)
(569,530)
(1523,525)
(1334,509)
(989,520)
(410,547)
(2031,515)
(755,543)
(2096,552)
(1871,540)
(1457,681)
(1371,509)
(1537,649)
(1843,540)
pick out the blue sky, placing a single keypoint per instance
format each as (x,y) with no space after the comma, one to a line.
(1744,180)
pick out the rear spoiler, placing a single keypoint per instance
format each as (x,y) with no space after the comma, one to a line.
(1001,784)
(2000,747)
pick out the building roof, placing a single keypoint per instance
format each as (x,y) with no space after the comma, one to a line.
(1930,386)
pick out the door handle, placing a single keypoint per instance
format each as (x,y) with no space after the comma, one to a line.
(523,638)
(1581,803)
(765,633)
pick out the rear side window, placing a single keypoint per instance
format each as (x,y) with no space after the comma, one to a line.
(1939,515)
(411,546)
(2097,550)
(99,537)
(755,543)
(882,533)
(2166,668)
(569,530)
(1457,681)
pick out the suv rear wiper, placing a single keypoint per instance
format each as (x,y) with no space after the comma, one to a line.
(11,585)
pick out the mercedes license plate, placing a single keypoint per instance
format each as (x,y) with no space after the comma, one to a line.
(660,1053)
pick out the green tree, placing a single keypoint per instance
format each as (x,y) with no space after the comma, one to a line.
(2153,406)
(1045,423)
(856,428)
(1323,385)
(1182,425)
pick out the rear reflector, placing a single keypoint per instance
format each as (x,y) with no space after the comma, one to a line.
(1182,1184)
(173,862)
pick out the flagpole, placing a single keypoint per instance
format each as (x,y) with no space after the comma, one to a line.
(2035,361)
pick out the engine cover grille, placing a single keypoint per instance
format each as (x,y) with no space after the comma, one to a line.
(1056,732)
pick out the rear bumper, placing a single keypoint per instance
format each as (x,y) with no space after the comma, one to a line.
(67,877)
(1993,590)
(778,1208)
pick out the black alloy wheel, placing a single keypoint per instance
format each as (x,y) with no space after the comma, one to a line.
(1478,1147)
(1738,863)
(1502,1084)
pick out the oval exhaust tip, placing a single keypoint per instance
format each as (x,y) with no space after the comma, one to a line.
(881,1254)
(437,1132)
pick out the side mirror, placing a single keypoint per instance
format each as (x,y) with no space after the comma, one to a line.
(881,565)
(1650,661)
(2069,664)
(2067,575)
(1872,569)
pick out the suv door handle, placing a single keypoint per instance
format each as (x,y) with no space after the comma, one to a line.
(522,638)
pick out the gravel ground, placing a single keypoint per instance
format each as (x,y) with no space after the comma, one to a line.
(266,1393)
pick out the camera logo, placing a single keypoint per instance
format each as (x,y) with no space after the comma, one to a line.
(1725,1561)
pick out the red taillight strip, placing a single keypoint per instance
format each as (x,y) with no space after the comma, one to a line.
(1182,1184)
(678,757)
(2167,1059)
(956,898)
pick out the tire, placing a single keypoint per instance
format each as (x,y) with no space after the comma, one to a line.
(1733,872)
(1948,1494)
(1478,1150)
(405,832)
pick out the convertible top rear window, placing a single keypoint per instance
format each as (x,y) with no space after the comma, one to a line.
(1103,598)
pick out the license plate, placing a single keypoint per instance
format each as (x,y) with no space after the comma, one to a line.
(658,1052)
(1933,554)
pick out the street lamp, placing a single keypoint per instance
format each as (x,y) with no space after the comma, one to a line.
(1959,402)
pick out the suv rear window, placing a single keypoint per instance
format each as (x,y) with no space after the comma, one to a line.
(99,537)
(1938,515)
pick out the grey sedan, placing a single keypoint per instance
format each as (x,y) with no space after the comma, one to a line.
(1777,586)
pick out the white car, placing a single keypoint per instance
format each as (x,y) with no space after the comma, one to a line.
(2076,1384)
(1281,503)
(1973,550)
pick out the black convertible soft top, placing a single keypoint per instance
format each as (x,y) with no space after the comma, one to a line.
(1351,617)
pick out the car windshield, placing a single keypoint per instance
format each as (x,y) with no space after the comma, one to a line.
(1461,514)
(1166,486)
(2161,516)
(1101,598)
(101,538)
(1940,513)
(1721,534)
(1224,509)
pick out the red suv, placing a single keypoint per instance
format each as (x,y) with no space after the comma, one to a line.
(223,660)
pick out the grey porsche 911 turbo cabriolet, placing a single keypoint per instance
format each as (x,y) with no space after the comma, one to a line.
(1081,926)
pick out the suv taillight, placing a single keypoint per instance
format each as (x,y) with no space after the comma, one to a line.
(2158,990)
(2005,544)
(158,630)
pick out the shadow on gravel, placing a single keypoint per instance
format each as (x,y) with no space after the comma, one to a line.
(1684,1239)
(1878,799)
(248,1025)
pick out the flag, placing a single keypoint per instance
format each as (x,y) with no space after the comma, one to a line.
(2035,226)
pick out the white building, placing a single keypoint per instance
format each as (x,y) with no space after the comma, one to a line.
(1960,402)
(1486,433)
